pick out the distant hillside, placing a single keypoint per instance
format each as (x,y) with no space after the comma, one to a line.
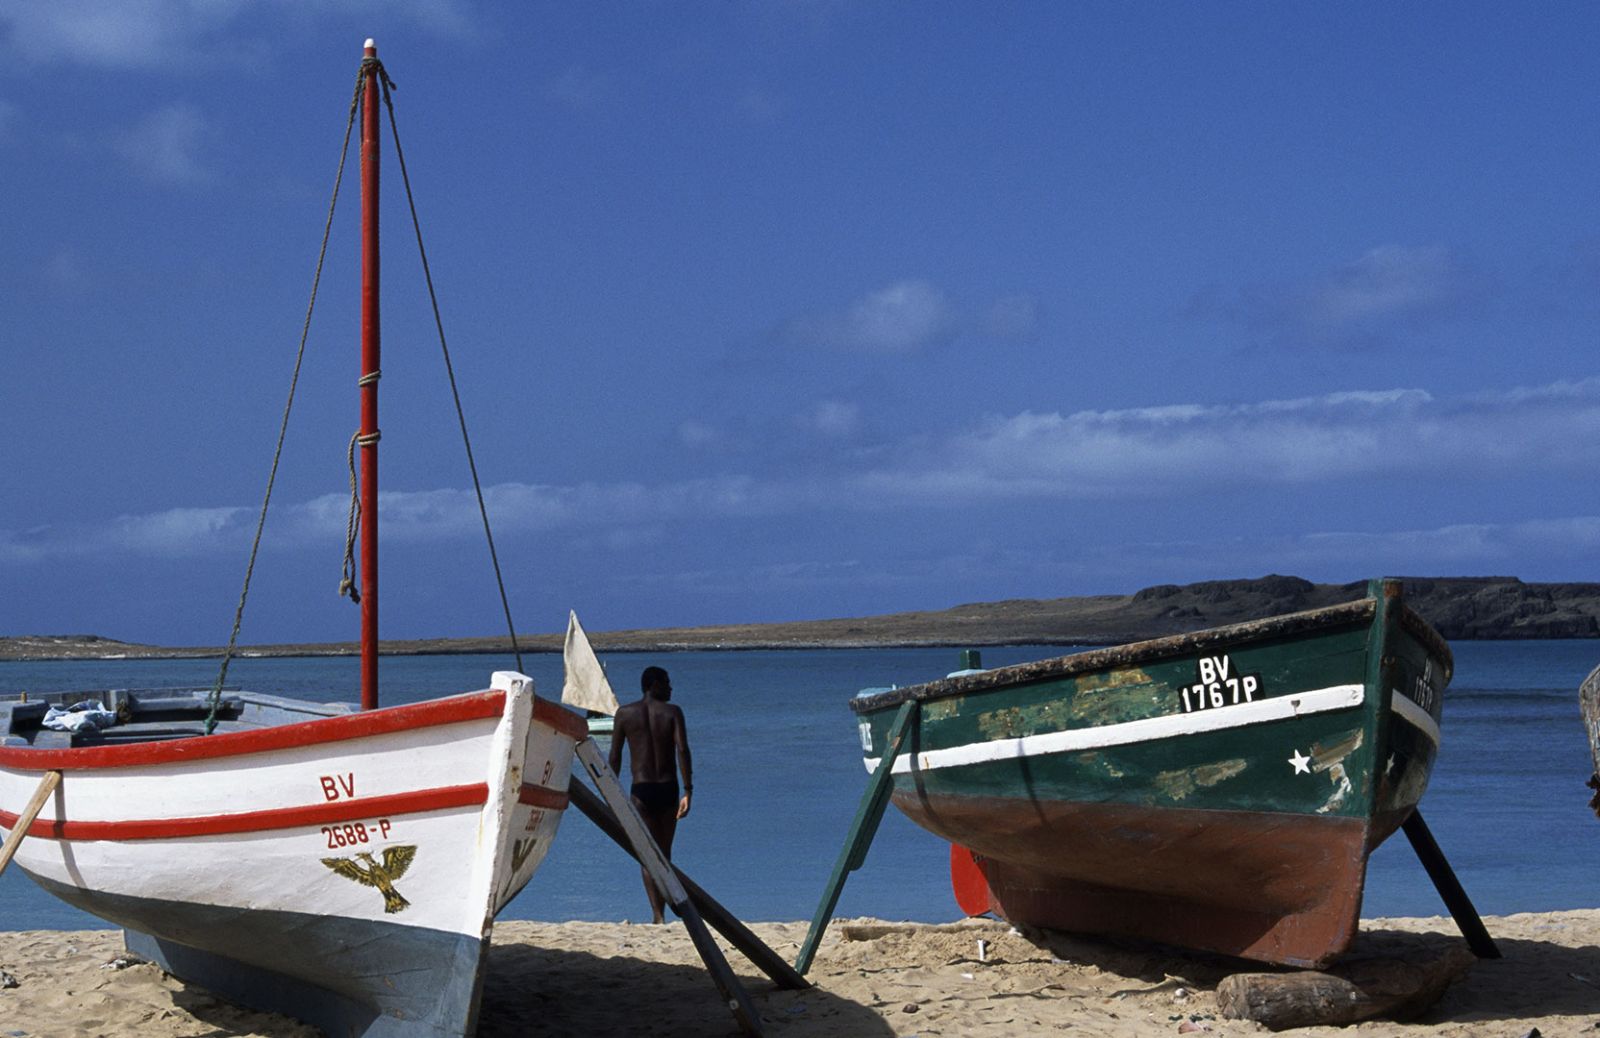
(1461,608)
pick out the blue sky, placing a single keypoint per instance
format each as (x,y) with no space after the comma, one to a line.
(797,309)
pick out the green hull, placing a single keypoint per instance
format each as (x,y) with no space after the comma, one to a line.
(1166,788)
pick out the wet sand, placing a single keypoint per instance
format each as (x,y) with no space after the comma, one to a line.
(605,979)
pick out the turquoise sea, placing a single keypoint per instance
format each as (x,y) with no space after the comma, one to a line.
(778,773)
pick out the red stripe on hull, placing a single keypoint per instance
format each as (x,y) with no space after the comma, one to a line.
(431,714)
(1280,888)
(361,808)
(569,723)
(543,796)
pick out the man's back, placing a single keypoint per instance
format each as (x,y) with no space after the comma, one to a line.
(653,731)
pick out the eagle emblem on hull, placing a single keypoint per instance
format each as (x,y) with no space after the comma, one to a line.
(520,851)
(369,872)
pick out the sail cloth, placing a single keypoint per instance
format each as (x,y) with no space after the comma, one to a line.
(586,686)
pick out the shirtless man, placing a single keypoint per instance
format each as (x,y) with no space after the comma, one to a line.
(658,746)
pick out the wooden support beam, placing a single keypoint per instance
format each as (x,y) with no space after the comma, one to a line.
(725,922)
(1444,880)
(666,880)
(47,785)
(865,826)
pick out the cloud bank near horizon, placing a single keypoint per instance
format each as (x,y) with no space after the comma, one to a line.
(1087,456)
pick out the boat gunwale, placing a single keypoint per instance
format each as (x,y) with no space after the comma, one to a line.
(1132,653)
(460,708)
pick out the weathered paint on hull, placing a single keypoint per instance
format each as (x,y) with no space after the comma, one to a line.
(1104,795)
(1280,888)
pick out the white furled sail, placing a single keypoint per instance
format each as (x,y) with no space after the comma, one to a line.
(586,686)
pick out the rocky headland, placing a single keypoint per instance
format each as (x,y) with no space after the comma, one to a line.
(1460,608)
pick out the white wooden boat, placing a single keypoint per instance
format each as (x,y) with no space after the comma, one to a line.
(340,866)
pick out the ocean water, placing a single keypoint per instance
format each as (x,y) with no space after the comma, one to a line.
(778,774)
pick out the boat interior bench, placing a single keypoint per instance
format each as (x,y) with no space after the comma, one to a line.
(143,715)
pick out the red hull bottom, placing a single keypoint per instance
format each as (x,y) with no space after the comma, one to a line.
(1281,888)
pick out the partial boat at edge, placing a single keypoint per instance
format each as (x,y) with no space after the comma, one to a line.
(1589,704)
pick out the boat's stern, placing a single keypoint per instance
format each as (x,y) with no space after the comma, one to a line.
(1410,674)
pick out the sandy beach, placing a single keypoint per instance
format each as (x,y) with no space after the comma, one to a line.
(623,979)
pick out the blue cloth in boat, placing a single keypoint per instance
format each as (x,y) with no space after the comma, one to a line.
(78,716)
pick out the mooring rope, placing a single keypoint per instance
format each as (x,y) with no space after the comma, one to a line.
(283,429)
(438,323)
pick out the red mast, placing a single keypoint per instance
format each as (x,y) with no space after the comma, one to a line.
(369,380)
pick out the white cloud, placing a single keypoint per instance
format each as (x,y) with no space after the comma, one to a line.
(904,317)
(166,145)
(1100,453)
(694,433)
(177,530)
(407,516)
(1337,440)
(580,87)
(1483,548)
(1361,303)
(167,34)
(1391,280)
(1012,317)
(1137,453)
(63,270)
(173,533)
(115,33)
(835,419)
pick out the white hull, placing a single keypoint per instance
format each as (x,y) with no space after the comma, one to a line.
(417,823)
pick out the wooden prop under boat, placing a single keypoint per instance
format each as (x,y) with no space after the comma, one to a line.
(1219,790)
(341,867)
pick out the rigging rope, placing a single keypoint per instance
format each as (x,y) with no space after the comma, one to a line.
(438,323)
(347,584)
(283,429)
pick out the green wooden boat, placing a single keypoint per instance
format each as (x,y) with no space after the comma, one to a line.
(1219,790)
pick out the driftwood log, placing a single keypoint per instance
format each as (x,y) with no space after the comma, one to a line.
(873,931)
(1362,987)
